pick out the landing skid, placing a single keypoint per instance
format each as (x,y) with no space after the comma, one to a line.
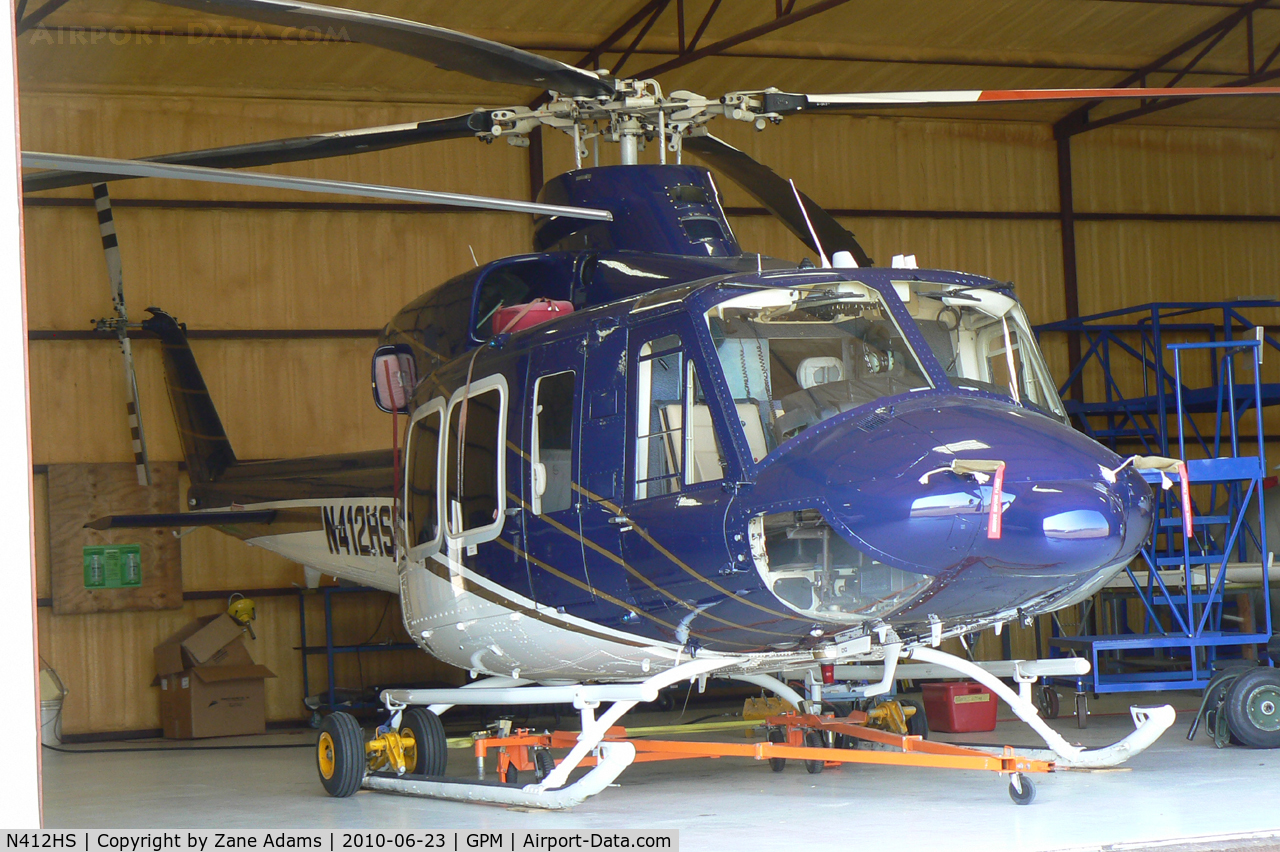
(603,747)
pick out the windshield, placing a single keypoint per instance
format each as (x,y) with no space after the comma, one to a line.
(796,357)
(982,340)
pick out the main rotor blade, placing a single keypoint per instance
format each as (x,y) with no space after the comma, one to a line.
(315,147)
(444,48)
(137,168)
(784,103)
(777,195)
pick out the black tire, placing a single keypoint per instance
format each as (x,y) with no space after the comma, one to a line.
(813,739)
(512,775)
(777,764)
(1253,708)
(917,725)
(431,743)
(1022,790)
(1048,702)
(543,763)
(340,756)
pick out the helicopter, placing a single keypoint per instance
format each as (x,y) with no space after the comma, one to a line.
(640,455)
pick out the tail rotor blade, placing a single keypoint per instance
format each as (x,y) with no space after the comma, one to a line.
(111,251)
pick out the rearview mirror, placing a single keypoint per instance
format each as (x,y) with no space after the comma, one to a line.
(394,378)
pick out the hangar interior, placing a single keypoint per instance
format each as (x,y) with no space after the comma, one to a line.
(1085,208)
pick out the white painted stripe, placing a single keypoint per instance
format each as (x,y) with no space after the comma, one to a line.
(960,96)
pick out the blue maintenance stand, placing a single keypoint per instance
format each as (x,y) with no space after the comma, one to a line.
(1188,562)
(1129,385)
(330,649)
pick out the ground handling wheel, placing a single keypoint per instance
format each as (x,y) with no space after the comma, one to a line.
(340,754)
(813,739)
(543,763)
(917,723)
(1048,702)
(431,745)
(1021,789)
(777,735)
(1253,708)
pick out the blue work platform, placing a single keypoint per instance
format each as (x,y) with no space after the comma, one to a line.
(1181,580)
(1118,347)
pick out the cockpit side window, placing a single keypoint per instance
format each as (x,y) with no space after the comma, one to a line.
(793,358)
(501,288)
(982,341)
(676,440)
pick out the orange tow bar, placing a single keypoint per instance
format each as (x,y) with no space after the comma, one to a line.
(795,736)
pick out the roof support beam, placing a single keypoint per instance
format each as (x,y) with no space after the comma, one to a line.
(692,54)
(1070,278)
(635,42)
(622,30)
(24,24)
(1078,120)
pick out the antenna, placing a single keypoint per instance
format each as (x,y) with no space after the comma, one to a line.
(817,243)
(473,255)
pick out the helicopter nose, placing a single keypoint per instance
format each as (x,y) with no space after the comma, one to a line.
(928,501)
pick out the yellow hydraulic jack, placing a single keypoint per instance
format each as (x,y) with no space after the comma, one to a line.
(393,751)
(891,716)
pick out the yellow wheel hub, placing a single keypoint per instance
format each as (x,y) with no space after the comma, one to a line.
(394,750)
(324,754)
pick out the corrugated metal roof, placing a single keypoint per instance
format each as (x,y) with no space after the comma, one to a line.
(132,45)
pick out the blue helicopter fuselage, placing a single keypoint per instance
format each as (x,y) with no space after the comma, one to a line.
(742,540)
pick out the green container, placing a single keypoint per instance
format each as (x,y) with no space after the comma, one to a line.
(113,566)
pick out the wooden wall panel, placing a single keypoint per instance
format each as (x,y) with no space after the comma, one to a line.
(238,269)
(1130,263)
(276,398)
(1177,170)
(122,125)
(80,493)
(106,661)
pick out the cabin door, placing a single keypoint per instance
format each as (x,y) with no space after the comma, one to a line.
(552,466)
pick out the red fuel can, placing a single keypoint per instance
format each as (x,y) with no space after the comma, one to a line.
(519,317)
(959,708)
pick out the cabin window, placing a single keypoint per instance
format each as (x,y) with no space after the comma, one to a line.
(422,505)
(474,479)
(552,457)
(670,456)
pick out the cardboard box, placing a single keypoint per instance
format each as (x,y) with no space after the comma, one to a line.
(209,684)
(196,644)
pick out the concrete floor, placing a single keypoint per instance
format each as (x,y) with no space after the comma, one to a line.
(1176,789)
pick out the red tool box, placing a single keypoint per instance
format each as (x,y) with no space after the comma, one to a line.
(959,708)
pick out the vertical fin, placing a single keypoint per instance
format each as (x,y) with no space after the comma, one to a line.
(111,251)
(205,446)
